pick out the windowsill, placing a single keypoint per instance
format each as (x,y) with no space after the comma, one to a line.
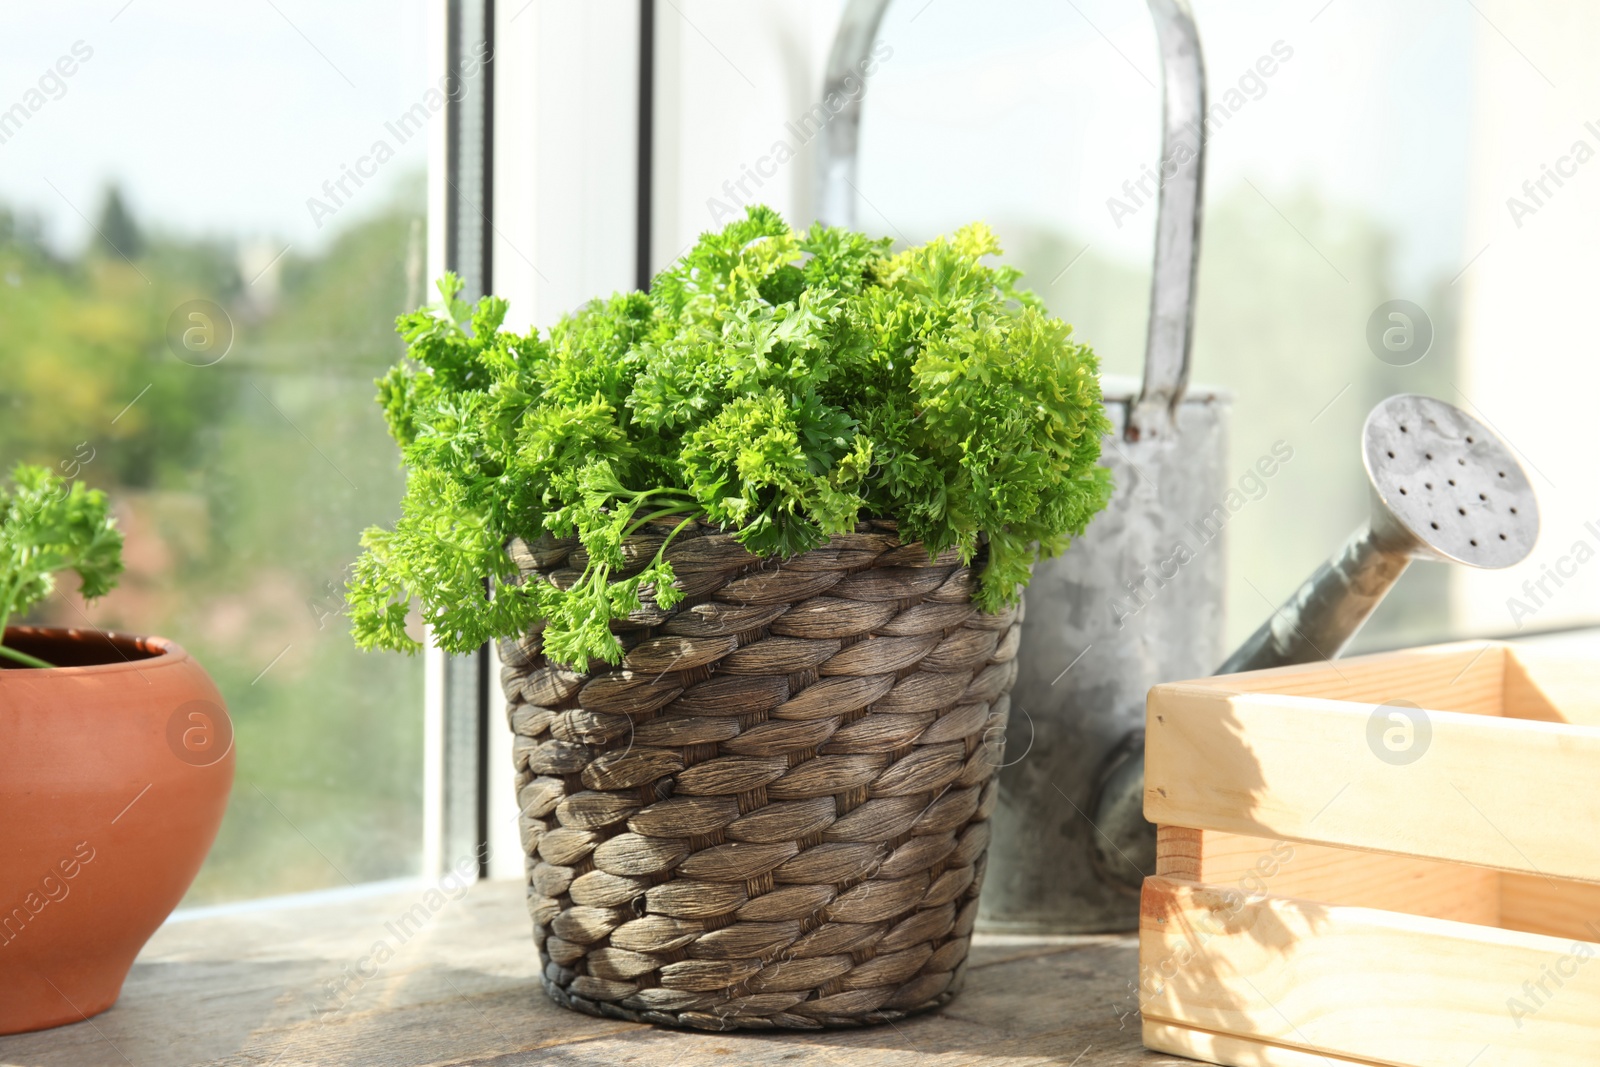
(283,986)
(293,982)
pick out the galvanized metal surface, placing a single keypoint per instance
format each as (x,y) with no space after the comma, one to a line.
(1134,602)
(1447,485)
(1324,613)
(1182,172)
(836,158)
(1139,597)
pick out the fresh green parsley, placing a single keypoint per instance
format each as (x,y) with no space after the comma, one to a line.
(780,384)
(48,525)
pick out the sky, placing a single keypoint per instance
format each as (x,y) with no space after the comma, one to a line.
(1041,110)
(216,119)
(226,119)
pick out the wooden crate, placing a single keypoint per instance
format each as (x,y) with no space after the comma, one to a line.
(1336,885)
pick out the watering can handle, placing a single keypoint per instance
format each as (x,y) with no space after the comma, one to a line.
(1182,173)
(1182,168)
(836,159)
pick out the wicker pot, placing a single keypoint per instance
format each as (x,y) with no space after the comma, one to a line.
(774,813)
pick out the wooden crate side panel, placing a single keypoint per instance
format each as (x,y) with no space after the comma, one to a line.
(1465,677)
(1257,866)
(1232,1051)
(1362,984)
(1551,687)
(1538,905)
(1486,791)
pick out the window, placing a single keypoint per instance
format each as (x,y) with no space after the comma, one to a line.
(208,220)
(1361,155)
(209,217)
(1357,156)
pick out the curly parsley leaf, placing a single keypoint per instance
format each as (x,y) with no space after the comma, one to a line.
(49,525)
(781,384)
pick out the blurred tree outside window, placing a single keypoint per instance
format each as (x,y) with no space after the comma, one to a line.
(208,359)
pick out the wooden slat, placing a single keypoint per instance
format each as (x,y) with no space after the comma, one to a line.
(1431,888)
(1256,866)
(1362,984)
(1235,1051)
(1539,905)
(1504,793)
(1465,677)
(1552,687)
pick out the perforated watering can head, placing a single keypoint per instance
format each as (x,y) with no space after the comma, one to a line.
(1444,488)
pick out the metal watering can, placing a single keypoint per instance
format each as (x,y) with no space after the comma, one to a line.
(1123,609)
(1443,488)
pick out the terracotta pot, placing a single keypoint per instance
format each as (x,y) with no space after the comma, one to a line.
(115,768)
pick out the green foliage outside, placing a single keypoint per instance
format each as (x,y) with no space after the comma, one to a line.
(240,487)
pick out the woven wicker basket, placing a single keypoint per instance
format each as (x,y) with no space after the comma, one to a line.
(774,814)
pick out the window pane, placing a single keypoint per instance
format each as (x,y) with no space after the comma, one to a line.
(1358,155)
(192,320)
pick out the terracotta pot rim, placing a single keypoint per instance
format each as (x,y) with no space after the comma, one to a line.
(158,651)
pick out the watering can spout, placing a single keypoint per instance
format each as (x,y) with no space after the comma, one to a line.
(1443,488)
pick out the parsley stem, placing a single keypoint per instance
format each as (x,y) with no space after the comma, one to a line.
(24,658)
(661,552)
(676,530)
(8,603)
(663,513)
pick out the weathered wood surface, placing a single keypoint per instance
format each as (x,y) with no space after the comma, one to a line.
(282,987)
